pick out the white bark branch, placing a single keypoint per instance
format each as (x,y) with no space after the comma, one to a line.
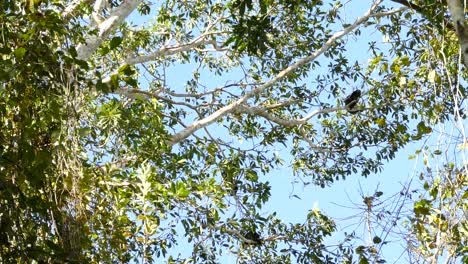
(72,7)
(146,94)
(117,16)
(201,40)
(165,51)
(285,122)
(97,11)
(183,134)
(458,16)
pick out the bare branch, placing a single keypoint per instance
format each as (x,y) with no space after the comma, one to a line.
(147,94)
(115,184)
(215,90)
(238,234)
(261,112)
(281,104)
(390,12)
(201,40)
(166,51)
(284,122)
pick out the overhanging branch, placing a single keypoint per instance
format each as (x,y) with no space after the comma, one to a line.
(165,51)
(458,16)
(117,15)
(183,134)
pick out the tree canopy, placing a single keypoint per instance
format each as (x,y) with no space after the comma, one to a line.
(128,127)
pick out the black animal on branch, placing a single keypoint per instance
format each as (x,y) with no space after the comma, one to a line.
(351,101)
(253,237)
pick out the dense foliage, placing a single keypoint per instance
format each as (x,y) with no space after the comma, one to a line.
(121,140)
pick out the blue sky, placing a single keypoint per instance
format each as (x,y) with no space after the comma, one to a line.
(343,197)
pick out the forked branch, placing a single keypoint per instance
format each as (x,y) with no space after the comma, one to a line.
(183,134)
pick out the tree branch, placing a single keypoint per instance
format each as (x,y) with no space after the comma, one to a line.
(410,5)
(458,16)
(201,40)
(183,134)
(117,15)
(146,94)
(165,51)
(97,10)
(285,122)
(72,7)
(198,95)
(419,10)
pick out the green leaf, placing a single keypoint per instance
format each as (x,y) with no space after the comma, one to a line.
(126,70)
(381,122)
(360,250)
(144,9)
(377,240)
(115,42)
(252,175)
(405,61)
(181,190)
(73,52)
(423,129)
(363,260)
(114,82)
(131,81)
(422,207)
(19,53)
(104,50)
(84,131)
